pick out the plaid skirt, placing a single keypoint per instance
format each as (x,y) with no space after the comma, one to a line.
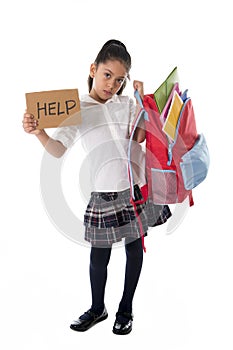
(110,217)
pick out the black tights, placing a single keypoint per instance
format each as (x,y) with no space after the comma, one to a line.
(99,260)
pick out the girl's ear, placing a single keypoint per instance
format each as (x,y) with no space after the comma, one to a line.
(92,70)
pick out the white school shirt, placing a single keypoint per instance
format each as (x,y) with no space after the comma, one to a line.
(104,133)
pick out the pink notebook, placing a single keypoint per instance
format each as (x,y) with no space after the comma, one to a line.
(164,113)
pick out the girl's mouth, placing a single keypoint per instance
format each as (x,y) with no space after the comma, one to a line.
(108,93)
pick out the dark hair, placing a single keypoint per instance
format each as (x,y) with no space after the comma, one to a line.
(113,50)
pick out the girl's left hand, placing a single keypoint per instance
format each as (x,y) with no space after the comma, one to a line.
(138,85)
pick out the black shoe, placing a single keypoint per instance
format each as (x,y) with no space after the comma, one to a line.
(123,323)
(87,320)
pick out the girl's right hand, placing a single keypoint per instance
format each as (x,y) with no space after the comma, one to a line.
(30,124)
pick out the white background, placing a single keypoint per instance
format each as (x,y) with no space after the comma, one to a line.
(184,297)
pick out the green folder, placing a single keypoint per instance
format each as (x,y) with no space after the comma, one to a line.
(162,93)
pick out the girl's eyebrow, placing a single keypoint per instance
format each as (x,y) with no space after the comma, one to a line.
(123,76)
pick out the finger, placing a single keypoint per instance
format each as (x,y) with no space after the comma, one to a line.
(28,116)
(29,129)
(29,119)
(32,125)
(29,126)
(138,83)
(135,84)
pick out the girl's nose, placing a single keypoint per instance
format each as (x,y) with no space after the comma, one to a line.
(111,83)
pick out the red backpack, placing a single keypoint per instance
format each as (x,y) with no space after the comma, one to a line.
(173,167)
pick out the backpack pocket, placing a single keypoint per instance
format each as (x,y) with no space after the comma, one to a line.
(195,164)
(164,186)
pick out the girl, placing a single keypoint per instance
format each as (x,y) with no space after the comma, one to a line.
(109,217)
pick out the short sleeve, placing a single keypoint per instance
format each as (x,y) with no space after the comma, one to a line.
(66,135)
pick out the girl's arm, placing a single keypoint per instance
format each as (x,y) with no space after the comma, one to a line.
(140,133)
(54,147)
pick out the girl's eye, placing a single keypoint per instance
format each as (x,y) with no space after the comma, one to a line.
(120,81)
(107,75)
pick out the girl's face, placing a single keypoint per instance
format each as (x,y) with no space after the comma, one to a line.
(108,78)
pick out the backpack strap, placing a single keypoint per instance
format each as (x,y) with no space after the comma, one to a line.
(138,98)
(142,113)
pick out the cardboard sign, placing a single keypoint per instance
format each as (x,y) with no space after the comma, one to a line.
(54,108)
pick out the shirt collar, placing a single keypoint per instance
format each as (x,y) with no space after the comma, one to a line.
(88,98)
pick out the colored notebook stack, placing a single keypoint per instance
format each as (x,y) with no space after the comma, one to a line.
(169,102)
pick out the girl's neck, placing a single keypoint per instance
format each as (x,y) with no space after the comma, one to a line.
(95,97)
